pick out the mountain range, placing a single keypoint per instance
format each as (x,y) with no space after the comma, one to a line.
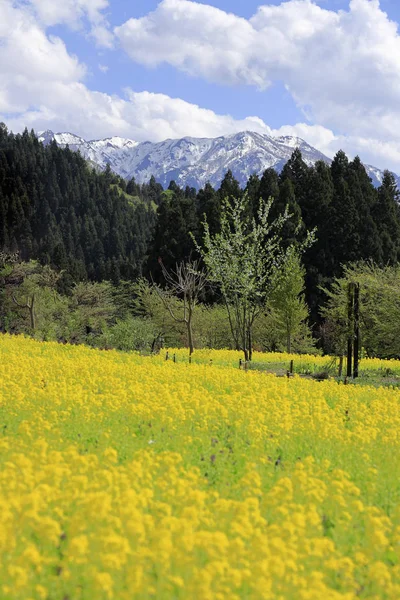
(194,161)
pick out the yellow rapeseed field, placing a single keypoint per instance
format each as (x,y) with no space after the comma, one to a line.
(125,477)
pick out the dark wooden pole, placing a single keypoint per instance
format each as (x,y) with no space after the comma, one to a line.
(350,306)
(356,329)
(340,366)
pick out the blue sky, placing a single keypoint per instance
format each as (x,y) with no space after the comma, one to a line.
(275,106)
(327,71)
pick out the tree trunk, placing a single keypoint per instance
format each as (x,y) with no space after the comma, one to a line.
(190,336)
(289,343)
(350,324)
(244,336)
(356,329)
(340,365)
(250,345)
(234,330)
(32,312)
(31,307)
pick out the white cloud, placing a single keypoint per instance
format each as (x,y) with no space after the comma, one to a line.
(42,86)
(139,115)
(29,58)
(342,68)
(197,38)
(104,68)
(74,13)
(320,137)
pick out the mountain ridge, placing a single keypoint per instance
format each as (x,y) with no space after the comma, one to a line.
(194,161)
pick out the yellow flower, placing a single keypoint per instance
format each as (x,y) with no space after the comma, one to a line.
(255,486)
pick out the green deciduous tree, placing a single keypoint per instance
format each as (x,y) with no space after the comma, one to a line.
(289,308)
(30,301)
(149,305)
(91,309)
(379,309)
(243,259)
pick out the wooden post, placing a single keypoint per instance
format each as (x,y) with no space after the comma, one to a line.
(167,355)
(174,358)
(350,323)
(291,367)
(240,363)
(356,329)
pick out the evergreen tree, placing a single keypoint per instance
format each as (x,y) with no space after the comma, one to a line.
(386,213)
(269,185)
(286,201)
(298,173)
(229,188)
(209,207)
(364,195)
(318,259)
(172,241)
(344,218)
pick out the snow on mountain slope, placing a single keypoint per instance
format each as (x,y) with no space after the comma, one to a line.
(194,161)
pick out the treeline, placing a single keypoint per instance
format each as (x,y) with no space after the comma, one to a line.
(90,226)
(353,220)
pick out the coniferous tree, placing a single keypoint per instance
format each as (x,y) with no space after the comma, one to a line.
(229,188)
(286,201)
(269,185)
(345,238)
(298,172)
(318,259)
(364,196)
(172,241)
(209,207)
(386,213)
(252,191)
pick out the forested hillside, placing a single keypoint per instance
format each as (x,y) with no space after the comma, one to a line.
(55,208)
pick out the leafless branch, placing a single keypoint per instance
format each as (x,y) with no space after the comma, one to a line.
(187,280)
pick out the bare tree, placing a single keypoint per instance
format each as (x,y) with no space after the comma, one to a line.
(187,282)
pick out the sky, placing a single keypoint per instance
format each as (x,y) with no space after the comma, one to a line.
(327,71)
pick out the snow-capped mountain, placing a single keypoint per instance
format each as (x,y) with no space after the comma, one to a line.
(194,161)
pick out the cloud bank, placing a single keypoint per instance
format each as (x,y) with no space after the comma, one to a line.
(342,69)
